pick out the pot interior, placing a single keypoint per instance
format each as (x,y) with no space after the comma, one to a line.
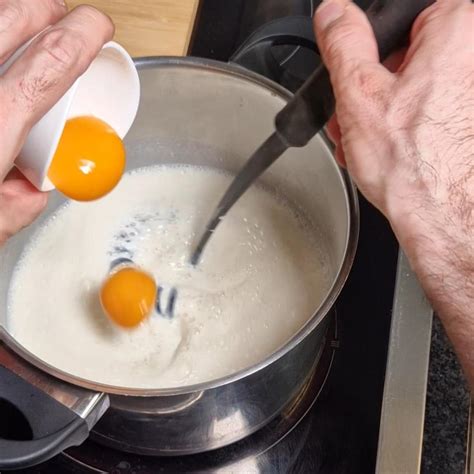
(198,113)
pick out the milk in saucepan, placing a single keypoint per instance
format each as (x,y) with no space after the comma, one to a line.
(261,277)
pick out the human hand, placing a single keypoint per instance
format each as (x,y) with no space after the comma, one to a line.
(407,139)
(34,83)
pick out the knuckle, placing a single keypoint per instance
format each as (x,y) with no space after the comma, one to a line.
(55,5)
(435,15)
(365,80)
(63,48)
(375,94)
(92,14)
(19,14)
(49,7)
(337,38)
(364,96)
(12,14)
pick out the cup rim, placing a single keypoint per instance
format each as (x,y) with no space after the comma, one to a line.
(44,183)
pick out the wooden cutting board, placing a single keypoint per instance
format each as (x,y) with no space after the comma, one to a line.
(150,27)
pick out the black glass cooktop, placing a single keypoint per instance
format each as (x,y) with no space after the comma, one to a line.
(339,434)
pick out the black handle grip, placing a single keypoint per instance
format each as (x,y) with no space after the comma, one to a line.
(53,426)
(313,104)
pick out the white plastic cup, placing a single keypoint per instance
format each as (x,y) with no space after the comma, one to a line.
(108,90)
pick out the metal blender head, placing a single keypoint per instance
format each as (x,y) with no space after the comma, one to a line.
(165,296)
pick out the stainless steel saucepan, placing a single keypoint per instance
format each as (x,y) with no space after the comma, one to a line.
(202,113)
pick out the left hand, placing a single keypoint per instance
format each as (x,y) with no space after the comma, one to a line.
(34,83)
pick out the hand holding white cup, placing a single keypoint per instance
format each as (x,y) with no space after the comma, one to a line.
(56,77)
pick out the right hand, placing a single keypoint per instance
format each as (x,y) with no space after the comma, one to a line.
(35,82)
(407,139)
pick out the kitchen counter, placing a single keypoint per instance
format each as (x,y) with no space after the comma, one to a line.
(149,27)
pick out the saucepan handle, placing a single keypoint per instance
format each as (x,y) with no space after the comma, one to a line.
(313,103)
(256,53)
(40,416)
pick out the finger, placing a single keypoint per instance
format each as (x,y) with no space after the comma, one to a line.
(349,50)
(20,20)
(20,204)
(441,32)
(333,130)
(45,71)
(345,38)
(435,12)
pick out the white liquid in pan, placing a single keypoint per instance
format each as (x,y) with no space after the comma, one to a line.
(261,277)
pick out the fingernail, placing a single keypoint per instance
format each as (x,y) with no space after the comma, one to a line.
(329,11)
(61,3)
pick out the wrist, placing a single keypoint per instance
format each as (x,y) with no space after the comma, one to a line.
(441,253)
(436,241)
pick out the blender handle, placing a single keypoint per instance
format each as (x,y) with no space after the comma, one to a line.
(40,416)
(313,104)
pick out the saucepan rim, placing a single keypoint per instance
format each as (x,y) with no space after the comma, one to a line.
(319,314)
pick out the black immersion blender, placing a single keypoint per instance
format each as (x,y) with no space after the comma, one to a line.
(312,106)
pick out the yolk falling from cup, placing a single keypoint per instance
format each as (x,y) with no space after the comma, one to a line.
(89,160)
(128,296)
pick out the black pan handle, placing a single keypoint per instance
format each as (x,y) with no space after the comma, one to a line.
(313,103)
(57,426)
(256,53)
(40,416)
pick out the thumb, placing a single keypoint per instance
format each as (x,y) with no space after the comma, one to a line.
(346,40)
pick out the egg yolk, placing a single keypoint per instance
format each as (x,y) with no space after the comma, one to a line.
(89,160)
(128,296)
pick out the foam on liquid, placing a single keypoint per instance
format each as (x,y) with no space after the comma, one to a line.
(261,277)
